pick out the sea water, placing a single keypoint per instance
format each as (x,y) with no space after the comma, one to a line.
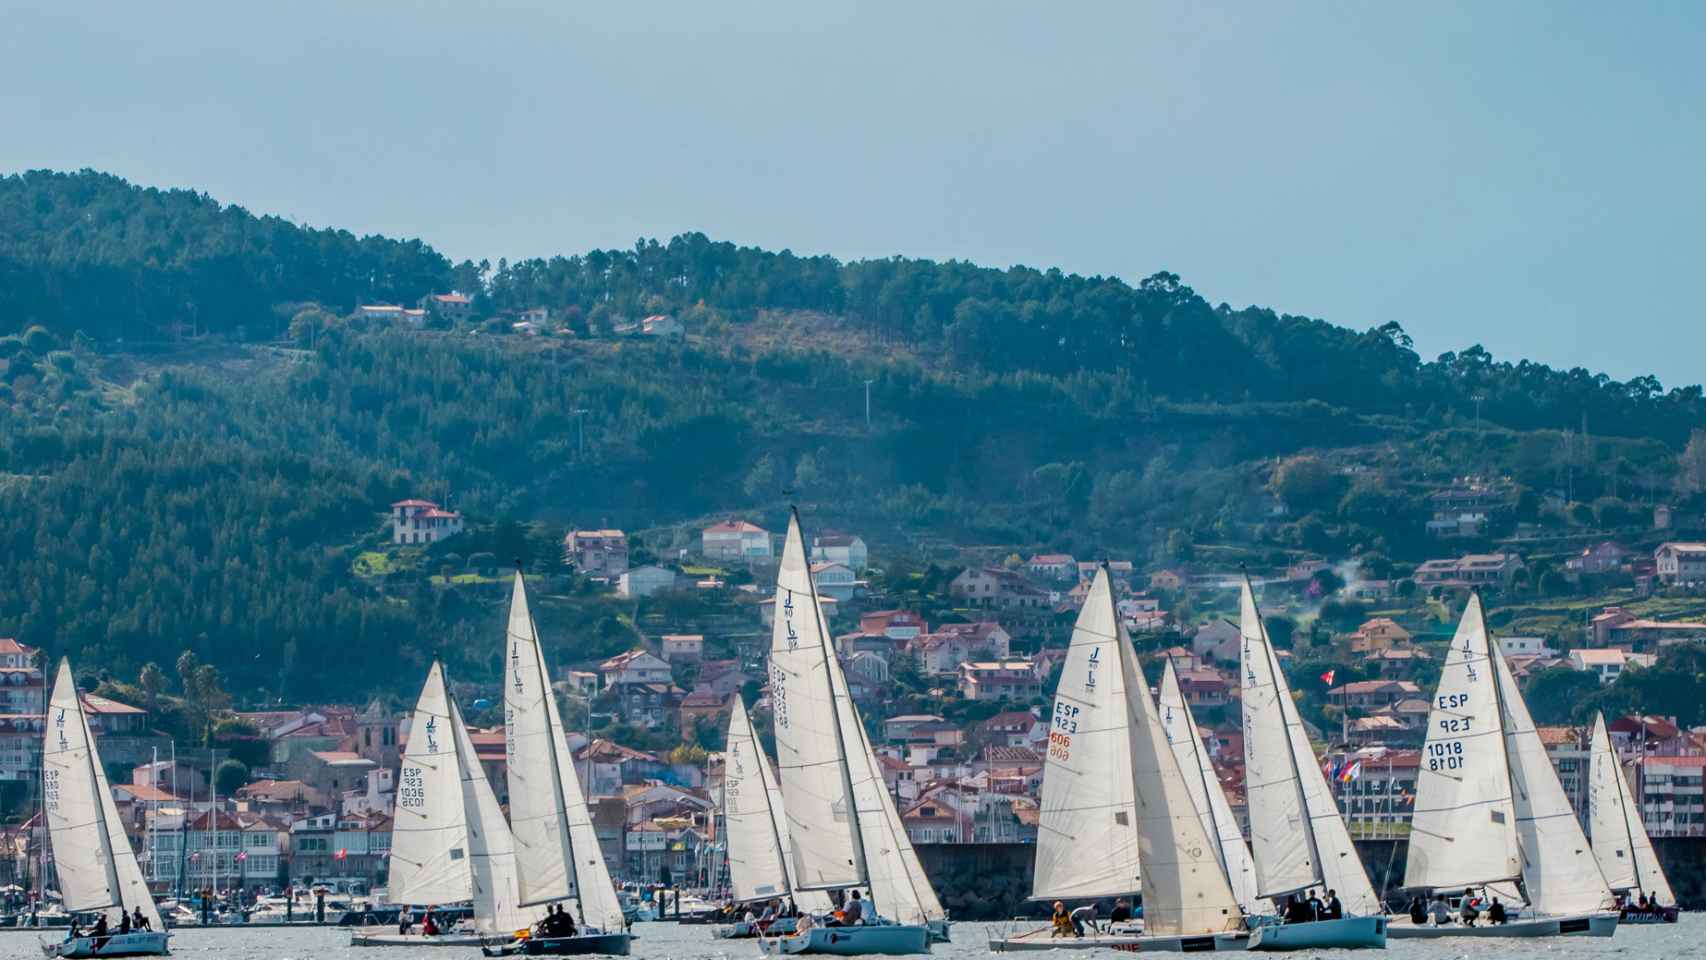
(669,941)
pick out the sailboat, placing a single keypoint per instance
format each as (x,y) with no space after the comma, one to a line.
(449,842)
(842,823)
(1490,811)
(1115,795)
(756,830)
(1207,795)
(556,848)
(1298,838)
(1620,841)
(97,868)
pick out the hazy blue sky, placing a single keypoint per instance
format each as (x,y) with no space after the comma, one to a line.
(1530,176)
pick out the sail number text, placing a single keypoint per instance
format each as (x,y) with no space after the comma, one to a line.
(1447,755)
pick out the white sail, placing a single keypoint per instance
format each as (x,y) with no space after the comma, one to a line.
(429,835)
(809,749)
(496,885)
(1463,830)
(1620,841)
(899,888)
(1185,890)
(1607,818)
(557,850)
(1339,863)
(757,870)
(1559,872)
(97,868)
(1281,839)
(1087,842)
(1207,795)
(755,823)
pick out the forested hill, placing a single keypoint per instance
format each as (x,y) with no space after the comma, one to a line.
(212,481)
(88,252)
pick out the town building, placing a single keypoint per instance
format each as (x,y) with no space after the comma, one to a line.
(681,648)
(735,540)
(645,581)
(1600,558)
(1053,566)
(422,521)
(1000,680)
(1373,694)
(941,652)
(597,553)
(1608,663)
(1617,627)
(1680,564)
(997,589)
(635,666)
(1471,570)
(451,306)
(1217,640)
(1378,633)
(843,548)
(835,580)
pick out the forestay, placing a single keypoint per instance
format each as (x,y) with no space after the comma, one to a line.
(429,834)
(1087,843)
(809,750)
(1620,841)
(1186,892)
(92,855)
(1281,840)
(1207,795)
(1560,873)
(1463,830)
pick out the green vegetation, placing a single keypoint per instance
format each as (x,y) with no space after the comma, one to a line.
(224,491)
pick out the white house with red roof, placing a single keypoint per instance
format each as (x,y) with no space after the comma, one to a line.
(454,306)
(422,521)
(735,540)
(1055,566)
(941,652)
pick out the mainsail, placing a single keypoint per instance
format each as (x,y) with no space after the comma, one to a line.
(757,829)
(810,752)
(1338,865)
(91,853)
(1087,843)
(557,850)
(1620,841)
(834,772)
(1185,892)
(1463,830)
(491,848)
(1207,795)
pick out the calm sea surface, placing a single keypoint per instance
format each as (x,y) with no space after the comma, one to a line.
(668,941)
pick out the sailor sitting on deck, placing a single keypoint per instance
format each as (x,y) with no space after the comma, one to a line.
(1496,913)
(100,926)
(804,924)
(1121,914)
(141,921)
(123,923)
(1440,911)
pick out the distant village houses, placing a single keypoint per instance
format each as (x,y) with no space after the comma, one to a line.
(597,553)
(422,521)
(735,540)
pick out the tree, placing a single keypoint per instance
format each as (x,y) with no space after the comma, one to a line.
(1280,630)
(1691,466)
(231,775)
(761,479)
(152,680)
(204,695)
(806,474)
(1554,693)
(1179,546)
(1305,483)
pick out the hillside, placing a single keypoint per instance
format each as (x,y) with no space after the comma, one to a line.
(197,439)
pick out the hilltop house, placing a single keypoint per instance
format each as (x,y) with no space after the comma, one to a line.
(681,647)
(645,581)
(597,553)
(1373,694)
(635,666)
(1217,639)
(1000,679)
(451,306)
(1379,633)
(997,588)
(1602,557)
(845,549)
(422,521)
(1680,563)
(941,653)
(735,540)
(1471,570)
(1608,664)
(1054,566)
(835,580)
(1617,627)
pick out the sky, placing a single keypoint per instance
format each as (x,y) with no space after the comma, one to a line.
(1527,176)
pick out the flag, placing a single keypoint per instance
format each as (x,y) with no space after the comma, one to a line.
(1353,772)
(341,854)
(1327,678)
(1335,766)
(242,856)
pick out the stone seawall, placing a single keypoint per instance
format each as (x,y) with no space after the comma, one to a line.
(992,881)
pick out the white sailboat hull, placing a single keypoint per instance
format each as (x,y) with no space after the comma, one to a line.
(1134,941)
(391,938)
(886,939)
(145,944)
(1576,925)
